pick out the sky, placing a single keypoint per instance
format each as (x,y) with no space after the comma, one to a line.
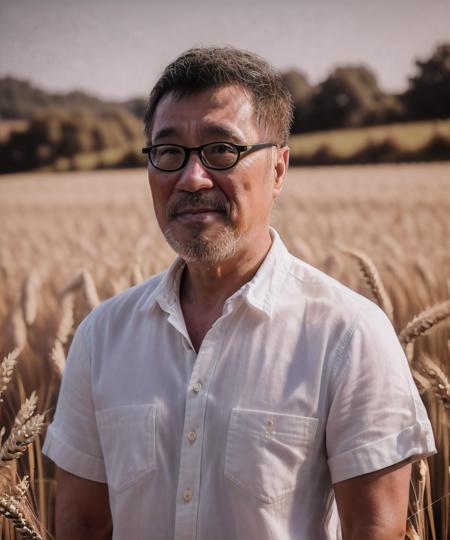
(116,49)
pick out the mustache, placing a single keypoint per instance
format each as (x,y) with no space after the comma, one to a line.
(199,199)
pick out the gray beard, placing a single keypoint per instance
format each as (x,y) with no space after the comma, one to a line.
(200,249)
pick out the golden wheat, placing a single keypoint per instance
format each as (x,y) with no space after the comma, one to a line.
(424,322)
(70,241)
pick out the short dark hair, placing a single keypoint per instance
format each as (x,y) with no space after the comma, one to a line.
(206,67)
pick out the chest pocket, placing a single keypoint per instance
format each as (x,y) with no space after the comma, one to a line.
(267,453)
(128,439)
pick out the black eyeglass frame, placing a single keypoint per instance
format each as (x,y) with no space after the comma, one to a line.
(241,149)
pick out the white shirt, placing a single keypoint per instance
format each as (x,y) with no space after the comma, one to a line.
(300,383)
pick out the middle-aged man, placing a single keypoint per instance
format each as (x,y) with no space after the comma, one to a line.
(242,394)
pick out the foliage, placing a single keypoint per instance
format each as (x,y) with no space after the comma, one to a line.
(64,133)
(429,91)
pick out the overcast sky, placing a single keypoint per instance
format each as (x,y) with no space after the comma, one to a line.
(117,49)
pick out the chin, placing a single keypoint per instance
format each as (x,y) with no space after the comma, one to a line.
(199,246)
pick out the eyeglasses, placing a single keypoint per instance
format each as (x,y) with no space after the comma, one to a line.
(218,156)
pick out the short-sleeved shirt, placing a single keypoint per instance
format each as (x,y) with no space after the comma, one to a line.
(301,383)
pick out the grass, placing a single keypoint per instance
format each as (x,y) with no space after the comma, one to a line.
(345,143)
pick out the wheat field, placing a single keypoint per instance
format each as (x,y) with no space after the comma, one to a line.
(70,240)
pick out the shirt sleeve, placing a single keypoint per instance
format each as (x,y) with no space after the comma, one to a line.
(72,440)
(376,416)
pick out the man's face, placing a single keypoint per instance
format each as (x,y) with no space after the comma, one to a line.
(208,215)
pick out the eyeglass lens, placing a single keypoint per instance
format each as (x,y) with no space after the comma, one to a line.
(216,155)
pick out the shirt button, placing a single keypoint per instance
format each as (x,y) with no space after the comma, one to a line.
(192,436)
(187,495)
(197,387)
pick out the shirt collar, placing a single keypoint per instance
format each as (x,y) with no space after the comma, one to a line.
(260,292)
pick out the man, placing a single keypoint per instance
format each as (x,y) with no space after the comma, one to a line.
(240,393)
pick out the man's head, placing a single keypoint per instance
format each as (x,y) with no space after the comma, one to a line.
(208,67)
(208,96)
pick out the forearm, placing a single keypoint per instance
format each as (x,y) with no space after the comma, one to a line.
(77,531)
(374,532)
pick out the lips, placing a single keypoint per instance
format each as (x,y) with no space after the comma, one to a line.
(189,211)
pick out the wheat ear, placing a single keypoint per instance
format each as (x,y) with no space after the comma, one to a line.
(136,275)
(438,380)
(372,278)
(72,286)
(19,490)
(65,326)
(422,383)
(10,508)
(424,322)
(7,369)
(19,329)
(20,437)
(58,357)
(26,410)
(90,290)
(30,291)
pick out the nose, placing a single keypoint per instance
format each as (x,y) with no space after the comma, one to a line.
(194,175)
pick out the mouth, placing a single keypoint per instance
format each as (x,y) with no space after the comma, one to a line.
(197,214)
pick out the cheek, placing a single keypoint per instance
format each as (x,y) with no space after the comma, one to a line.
(160,196)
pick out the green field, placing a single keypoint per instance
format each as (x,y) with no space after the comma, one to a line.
(345,143)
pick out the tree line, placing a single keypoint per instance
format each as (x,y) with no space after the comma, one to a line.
(351,96)
(70,124)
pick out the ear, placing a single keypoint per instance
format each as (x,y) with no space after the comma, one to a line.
(281,167)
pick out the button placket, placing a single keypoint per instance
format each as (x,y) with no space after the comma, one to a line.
(192,442)
(195,414)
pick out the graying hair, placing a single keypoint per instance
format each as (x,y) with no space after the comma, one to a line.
(207,67)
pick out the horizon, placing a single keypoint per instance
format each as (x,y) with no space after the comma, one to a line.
(61,48)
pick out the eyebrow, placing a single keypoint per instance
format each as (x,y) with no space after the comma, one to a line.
(210,130)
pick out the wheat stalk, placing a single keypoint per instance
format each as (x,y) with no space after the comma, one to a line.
(372,278)
(424,322)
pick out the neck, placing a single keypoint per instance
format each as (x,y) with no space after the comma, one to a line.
(209,285)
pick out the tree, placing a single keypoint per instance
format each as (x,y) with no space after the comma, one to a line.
(351,97)
(302,94)
(428,95)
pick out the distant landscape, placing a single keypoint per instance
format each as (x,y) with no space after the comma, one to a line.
(345,119)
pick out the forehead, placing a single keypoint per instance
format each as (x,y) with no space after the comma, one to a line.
(226,112)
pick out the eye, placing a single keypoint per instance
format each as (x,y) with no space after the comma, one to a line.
(222,148)
(169,151)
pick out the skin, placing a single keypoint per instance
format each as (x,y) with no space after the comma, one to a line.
(371,506)
(82,508)
(374,506)
(249,189)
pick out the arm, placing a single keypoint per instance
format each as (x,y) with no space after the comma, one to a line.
(374,506)
(82,508)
